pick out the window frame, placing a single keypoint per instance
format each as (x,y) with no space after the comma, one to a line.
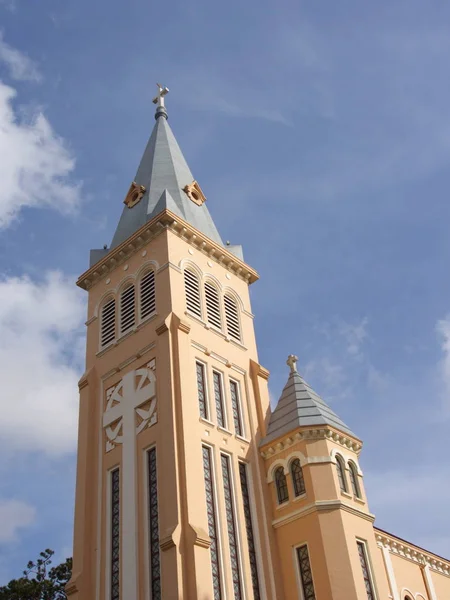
(130,283)
(232,297)
(280,469)
(198,279)
(354,482)
(298,571)
(341,475)
(368,564)
(239,405)
(205,389)
(140,318)
(221,375)
(291,466)
(213,285)
(109,298)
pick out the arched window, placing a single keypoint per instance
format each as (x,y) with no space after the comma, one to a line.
(354,479)
(340,468)
(232,318)
(192,291)
(407,597)
(297,477)
(212,305)
(108,322)
(127,308)
(281,483)
(147,295)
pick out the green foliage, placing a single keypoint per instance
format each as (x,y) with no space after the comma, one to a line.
(39,580)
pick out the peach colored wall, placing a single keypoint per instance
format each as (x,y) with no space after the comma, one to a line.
(441,585)
(408,575)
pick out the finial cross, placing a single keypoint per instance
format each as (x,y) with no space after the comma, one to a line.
(159,98)
(292,362)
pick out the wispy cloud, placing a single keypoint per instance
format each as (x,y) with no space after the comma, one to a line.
(14,515)
(20,66)
(36,165)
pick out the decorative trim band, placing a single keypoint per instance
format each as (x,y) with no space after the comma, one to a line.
(319,506)
(414,554)
(320,433)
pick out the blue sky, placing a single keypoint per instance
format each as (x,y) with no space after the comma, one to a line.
(320,133)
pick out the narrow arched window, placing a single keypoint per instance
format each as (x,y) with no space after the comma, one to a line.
(281,483)
(147,295)
(232,318)
(354,480)
(108,322)
(297,477)
(340,468)
(127,308)
(213,305)
(192,291)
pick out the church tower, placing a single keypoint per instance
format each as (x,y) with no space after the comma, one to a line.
(188,487)
(171,500)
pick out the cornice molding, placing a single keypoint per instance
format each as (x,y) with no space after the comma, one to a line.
(319,433)
(412,553)
(320,506)
(167,220)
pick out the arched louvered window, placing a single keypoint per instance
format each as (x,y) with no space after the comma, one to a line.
(108,322)
(281,484)
(232,318)
(213,305)
(147,295)
(340,468)
(297,477)
(192,291)
(127,308)
(354,479)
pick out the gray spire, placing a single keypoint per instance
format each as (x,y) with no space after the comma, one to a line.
(164,174)
(300,406)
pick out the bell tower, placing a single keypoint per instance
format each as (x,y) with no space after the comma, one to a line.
(171,495)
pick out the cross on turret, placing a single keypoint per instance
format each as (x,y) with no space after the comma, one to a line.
(292,362)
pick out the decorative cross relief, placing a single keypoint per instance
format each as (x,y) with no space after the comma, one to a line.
(133,398)
(130,407)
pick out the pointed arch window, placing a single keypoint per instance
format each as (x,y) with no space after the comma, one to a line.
(147,295)
(354,479)
(297,477)
(232,317)
(281,485)
(127,308)
(192,291)
(213,305)
(108,322)
(340,468)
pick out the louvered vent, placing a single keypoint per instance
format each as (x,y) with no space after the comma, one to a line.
(108,328)
(212,305)
(192,290)
(148,298)
(127,312)
(232,318)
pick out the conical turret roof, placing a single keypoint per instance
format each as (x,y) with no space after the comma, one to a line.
(164,172)
(299,406)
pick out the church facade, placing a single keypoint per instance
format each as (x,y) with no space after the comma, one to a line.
(188,485)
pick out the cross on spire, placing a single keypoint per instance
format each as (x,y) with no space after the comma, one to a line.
(292,362)
(159,98)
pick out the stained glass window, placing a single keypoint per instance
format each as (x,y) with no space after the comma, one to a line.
(305,573)
(237,417)
(231,526)
(365,570)
(155,558)
(201,390)
(249,527)
(341,474)
(281,484)
(354,479)
(218,396)
(115,534)
(212,523)
(297,477)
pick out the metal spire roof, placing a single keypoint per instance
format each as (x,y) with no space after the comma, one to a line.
(164,173)
(300,406)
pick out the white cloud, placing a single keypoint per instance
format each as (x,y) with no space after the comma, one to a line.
(40,363)
(19,65)
(14,515)
(36,165)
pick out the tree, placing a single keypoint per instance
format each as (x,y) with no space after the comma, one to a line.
(39,580)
